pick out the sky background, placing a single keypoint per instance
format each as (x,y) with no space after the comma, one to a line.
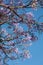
(36,49)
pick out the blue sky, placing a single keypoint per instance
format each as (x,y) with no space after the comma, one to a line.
(36,49)
(37,54)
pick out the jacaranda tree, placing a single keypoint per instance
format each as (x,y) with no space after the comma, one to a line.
(18,28)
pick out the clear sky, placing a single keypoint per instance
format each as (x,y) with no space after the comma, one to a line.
(36,49)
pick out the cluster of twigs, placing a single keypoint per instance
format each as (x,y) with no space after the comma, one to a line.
(13,44)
